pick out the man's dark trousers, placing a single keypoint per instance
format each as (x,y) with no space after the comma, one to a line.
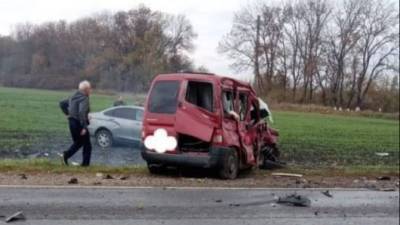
(75,127)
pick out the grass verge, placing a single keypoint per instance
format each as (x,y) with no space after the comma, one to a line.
(47,166)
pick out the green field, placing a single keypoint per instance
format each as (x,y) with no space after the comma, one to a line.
(27,115)
(31,116)
(329,140)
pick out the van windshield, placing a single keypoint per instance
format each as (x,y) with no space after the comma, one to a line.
(164,97)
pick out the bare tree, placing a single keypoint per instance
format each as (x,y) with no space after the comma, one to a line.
(378,41)
(255,41)
(240,43)
(343,36)
(294,40)
(314,16)
(121,50)
(178,40)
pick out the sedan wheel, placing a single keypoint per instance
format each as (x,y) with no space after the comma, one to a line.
(104,138)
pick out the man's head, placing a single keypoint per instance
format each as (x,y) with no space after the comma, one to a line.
(85,87)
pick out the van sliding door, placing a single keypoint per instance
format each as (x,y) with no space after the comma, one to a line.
(195,115)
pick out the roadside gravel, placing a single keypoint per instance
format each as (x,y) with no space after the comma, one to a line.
(251,179)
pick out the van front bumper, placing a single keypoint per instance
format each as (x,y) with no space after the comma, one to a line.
(212,159)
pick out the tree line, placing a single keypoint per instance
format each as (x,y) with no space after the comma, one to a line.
(309,51)
(312,51)
(120,51)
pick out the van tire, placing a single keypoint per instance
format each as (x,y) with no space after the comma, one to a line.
(155,168)
(230,165)
(271,158)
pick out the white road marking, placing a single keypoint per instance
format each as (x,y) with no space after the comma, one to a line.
(177,188)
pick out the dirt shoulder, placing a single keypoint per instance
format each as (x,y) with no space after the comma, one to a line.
(250,179)
(45,172)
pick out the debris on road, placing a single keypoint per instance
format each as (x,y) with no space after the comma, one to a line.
(108,177)
(39,155)
(286,174)
(218,200)
(381,154)
(234,205)
(383,178)
(100,175)
(327,193)
(75,164)
(386,189)
(15,217)
(300,181)
(73,181)
(104,176)
(124,178)
(22,176)
(269,165)
(295,200)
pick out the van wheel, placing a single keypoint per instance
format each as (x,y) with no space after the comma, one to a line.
(271,158)
(104,138)
(230,165)
(271,152)
(155,168)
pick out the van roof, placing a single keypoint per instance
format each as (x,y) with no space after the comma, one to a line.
(203,76)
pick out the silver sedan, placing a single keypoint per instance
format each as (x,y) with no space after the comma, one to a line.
(116,124)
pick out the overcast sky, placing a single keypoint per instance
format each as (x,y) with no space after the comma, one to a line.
(211,19)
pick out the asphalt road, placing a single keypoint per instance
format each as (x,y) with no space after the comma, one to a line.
(89,205)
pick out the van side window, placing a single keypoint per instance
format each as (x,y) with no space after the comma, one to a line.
(254,117)
(227,102)
(200,94)
(243,106)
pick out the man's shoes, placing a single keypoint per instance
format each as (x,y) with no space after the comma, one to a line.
(64,159)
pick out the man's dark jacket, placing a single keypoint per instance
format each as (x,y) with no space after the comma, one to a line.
(77,107)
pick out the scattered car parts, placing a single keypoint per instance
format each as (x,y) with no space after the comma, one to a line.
(15,217)
(295,200)
(327,193)
(287,174)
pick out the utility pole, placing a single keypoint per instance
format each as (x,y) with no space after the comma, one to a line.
(256,55)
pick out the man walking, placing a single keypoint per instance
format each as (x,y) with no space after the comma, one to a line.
(77,109)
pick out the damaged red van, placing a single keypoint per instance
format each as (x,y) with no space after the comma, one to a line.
(216,121)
